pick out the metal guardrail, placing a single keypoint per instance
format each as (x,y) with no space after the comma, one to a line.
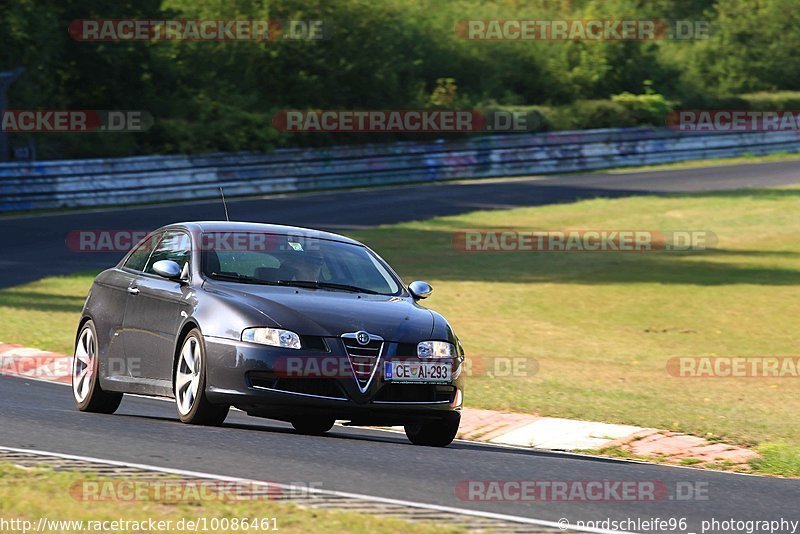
(105,182)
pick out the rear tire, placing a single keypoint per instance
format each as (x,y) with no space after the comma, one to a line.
(190,385)
(86,390)
(434,433)
(313,426)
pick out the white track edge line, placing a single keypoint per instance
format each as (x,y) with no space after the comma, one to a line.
(399,502)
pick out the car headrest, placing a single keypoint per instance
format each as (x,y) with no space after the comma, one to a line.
(212,262)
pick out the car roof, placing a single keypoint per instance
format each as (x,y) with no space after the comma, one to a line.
(235,226)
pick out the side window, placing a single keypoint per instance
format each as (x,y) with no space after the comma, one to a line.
(138,259)
(175,246)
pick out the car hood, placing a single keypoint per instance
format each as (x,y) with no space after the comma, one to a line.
(319,312)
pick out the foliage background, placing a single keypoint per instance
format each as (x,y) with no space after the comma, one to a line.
(221,96)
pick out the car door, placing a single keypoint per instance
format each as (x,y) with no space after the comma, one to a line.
(156,309)
(111,315)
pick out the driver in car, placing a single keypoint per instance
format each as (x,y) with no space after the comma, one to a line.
(304,266)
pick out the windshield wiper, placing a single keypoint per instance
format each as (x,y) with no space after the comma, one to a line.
(242,278)
(312,284)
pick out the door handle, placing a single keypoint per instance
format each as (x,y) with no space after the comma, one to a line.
(133,290)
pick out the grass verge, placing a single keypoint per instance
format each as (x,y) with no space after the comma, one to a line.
(599,328)
(29,494)
(711,162)
(778,459)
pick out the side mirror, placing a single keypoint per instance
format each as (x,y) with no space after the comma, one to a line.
(420,290)
(167,269)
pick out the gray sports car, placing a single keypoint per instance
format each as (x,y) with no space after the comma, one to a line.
(288,323)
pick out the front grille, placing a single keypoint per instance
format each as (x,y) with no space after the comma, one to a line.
(363,358)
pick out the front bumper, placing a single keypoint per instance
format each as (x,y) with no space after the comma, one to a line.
(286,384)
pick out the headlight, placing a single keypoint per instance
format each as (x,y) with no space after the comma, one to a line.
(272,336)
(436,349)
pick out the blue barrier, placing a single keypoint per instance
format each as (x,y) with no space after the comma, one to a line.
(106,182)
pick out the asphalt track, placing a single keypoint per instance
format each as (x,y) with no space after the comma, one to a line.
(41,416)
(34,246)
(36,415)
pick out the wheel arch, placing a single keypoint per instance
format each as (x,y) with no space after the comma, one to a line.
(84,319)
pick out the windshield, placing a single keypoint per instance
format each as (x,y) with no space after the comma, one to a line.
(298,261)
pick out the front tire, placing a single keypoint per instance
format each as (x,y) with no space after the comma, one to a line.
(86,390)
(190,385)
(434,433)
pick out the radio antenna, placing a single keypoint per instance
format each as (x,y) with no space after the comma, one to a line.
(224,204)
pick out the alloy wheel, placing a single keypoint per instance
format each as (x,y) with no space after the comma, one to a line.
(187,376)
(83,365)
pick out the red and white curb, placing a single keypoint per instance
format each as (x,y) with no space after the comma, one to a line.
(488,426)
(16,360)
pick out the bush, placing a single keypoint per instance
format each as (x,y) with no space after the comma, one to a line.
(648,109)
(622,111)
(776,100)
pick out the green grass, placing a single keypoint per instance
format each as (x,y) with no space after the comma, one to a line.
(778,459)
(597,328)
(44,314)
(710,162)
(29,494)
(601,326)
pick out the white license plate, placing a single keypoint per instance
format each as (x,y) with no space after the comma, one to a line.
(404,371)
